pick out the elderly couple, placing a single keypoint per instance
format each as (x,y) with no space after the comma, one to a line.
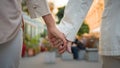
(75,12)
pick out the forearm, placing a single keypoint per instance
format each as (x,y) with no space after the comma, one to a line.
(75,13)
(50,22)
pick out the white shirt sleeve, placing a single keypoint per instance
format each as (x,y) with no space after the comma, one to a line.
(75,12)
(37,8)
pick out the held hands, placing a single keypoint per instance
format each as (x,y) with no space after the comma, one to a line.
(59,44)
(57,39)
(54,35)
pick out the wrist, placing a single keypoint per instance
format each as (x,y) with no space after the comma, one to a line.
(51,26)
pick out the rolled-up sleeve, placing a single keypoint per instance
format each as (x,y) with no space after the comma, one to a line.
(75,13)
(37,8)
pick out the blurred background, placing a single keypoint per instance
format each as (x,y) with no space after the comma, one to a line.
(37,51)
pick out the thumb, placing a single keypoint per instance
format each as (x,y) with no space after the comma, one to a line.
(64,40)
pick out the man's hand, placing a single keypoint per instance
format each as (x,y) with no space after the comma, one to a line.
(54,33)
(57,39)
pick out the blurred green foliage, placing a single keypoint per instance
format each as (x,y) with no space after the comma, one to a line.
(83,29)
(60,14)
(31,42)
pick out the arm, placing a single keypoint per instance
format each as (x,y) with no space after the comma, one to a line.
(75,12)
(39,8)
(53,32)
